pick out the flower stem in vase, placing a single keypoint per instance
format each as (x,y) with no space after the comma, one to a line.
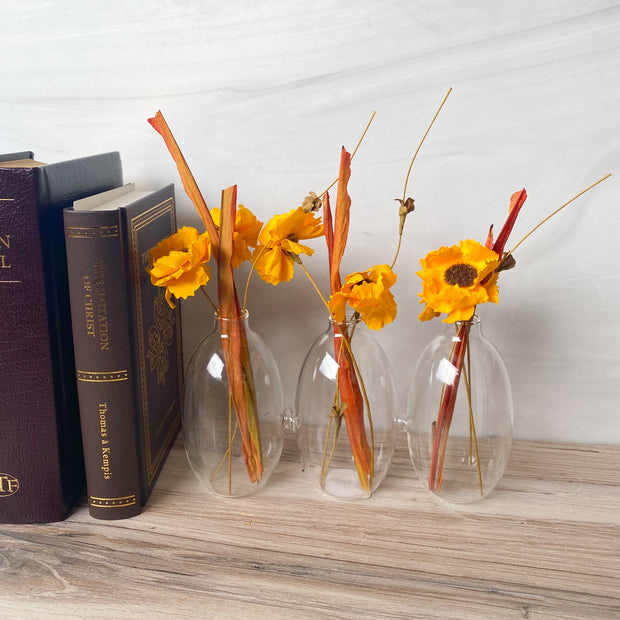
(350,400)
(446,409)
(473,441)
(353,403)
(232,433)
(230,442)
(358,373)
(235,345)
(335,418)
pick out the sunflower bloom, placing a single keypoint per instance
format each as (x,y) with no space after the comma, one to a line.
(178,263)
(245,235)
(279,244)
(368,293)
(456,279)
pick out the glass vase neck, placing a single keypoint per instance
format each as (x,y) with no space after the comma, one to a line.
(472,328)
(349,320)
(242,317)
(473,324)
(475,320)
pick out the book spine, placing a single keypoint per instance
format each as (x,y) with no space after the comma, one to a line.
(102,344)
(60,336)
(30,476)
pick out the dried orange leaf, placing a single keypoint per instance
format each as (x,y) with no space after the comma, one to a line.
(234,343)
(328,227)
(516,202)
(489,243)
(353,406)
(158,122)
(341,219)
(229,306)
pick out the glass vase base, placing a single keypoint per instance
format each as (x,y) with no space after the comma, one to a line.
(462,480)
(345,411)
(343,484)
(459,414)
(233,432)
(233,482)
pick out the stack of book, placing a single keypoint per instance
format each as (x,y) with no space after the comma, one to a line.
(90,352)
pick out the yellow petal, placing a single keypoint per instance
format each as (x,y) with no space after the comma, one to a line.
(216,215)
(337,305)
(247,225)
(179,240)
(189,282)
(292,247)
(296,224)
(427,314)
(367,292)
(274,266)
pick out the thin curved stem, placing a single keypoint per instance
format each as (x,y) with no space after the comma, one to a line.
(314,284)
(335,410)
(252,266)
(325,467)
(438,425)
(372,116)
(400,232)
(581,193)
(209,299)
(422,142)
(338,423)
(230,441)
(472,427)
(352,154)
(400,240)
(227,456)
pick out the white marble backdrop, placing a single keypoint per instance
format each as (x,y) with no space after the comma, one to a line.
(263,94)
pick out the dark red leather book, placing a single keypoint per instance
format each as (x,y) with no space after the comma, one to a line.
(127,344)
(41,463)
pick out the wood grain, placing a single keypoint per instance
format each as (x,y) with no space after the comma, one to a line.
(543,545)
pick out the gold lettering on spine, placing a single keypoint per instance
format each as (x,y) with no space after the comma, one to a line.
(145,258)
(89,307)
(105,447)
(9,485)
(101,307)
(5,240)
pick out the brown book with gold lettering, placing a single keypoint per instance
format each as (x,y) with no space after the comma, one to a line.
(41,463)
(127,343)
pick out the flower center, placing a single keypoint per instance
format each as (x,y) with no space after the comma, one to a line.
(461,274)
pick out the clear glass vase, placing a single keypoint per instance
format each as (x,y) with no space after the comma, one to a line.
(345,411)
(460,414)
(233,448)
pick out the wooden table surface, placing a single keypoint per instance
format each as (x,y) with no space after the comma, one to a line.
(545,544)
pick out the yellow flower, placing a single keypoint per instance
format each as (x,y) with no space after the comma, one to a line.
(178,263)
(245,236)
(367,292)
(456,279)
(279,243)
